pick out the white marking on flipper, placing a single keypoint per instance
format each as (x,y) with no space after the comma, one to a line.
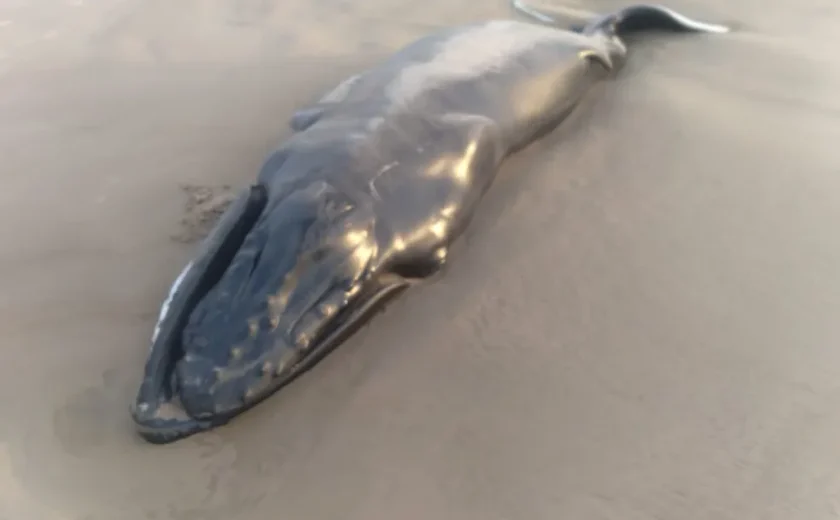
(164,308)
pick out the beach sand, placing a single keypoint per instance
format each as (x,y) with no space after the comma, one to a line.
(641,323)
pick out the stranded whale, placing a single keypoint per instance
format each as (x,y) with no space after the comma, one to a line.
(380,177)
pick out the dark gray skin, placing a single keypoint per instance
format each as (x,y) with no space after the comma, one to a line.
(379,179)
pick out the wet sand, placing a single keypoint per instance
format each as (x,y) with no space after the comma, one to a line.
(641,323)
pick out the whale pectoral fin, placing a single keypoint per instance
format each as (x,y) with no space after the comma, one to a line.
(473,146)
(308,116)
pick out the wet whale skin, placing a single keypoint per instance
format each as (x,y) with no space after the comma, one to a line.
(380,177)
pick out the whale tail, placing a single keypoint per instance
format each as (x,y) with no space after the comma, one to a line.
(632,19)
(646,17)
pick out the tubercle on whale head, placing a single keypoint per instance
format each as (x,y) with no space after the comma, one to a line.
(237,346)
(245,314)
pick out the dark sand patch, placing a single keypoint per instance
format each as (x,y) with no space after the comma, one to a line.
(204,206)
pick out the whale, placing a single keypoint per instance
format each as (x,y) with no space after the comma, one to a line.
(377,180)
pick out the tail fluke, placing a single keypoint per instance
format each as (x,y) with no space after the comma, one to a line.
(648,17)
(632,19)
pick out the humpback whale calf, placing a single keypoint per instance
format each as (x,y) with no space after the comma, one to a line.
(377,180)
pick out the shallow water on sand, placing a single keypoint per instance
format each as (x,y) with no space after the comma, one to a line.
(641,323)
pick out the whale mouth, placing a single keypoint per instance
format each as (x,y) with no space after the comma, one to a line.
(156,410)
